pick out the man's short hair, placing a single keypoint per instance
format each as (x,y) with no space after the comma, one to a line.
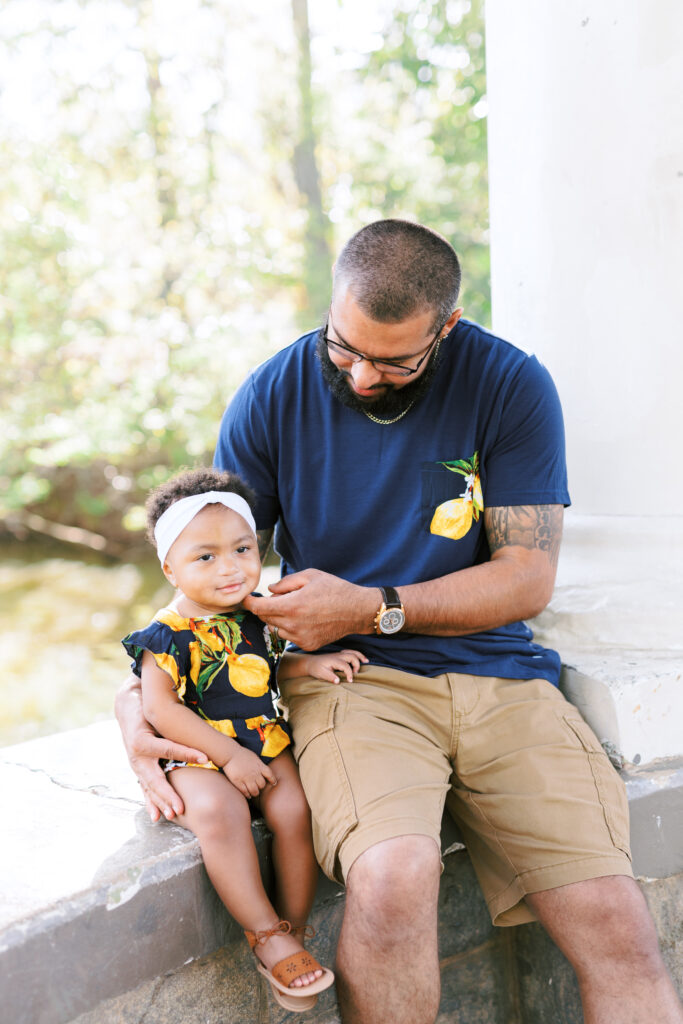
(396,269)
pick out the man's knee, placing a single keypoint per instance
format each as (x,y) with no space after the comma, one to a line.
(396,879)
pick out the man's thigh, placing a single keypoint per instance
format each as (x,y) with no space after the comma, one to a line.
(374,758)
(538,801)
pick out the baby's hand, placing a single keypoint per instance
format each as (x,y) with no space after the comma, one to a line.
(329,667)
(248,773)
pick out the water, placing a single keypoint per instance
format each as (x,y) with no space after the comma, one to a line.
(63,614)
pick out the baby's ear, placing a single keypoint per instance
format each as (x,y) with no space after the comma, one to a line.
(168,573)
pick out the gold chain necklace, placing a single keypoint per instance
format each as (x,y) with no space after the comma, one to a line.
(386,423)
(376,419)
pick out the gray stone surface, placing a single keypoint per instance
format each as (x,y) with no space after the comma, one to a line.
(548,990)
(665,899)
(106,919)
(655,798)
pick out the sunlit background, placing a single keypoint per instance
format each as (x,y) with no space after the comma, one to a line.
(175,177)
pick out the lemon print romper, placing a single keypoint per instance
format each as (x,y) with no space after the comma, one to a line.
(223,668)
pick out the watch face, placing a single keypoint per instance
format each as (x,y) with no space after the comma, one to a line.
(391,620)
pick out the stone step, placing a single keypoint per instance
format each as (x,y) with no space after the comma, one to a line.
(108,919)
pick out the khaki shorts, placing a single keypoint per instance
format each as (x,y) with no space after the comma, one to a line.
(538,803)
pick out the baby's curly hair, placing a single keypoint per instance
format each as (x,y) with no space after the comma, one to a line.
(192,481)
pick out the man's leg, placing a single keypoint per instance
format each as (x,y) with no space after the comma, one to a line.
(604,928)
(388,942)
(374,759)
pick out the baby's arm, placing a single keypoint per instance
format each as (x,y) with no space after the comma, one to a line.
(322,666)
(172,719)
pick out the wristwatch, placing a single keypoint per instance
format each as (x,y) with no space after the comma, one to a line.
(391,617)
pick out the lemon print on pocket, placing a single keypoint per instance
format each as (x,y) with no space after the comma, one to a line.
(249,674)
(453,518)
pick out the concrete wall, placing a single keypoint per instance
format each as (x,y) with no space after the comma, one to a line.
(586,189)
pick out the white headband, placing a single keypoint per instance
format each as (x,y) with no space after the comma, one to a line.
(176,517)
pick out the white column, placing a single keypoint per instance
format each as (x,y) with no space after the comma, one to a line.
(586,187)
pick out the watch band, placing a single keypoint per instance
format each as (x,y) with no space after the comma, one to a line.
(390,597)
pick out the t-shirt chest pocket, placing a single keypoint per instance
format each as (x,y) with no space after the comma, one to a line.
(452,499)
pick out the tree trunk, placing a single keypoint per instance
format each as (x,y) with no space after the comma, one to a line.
(318,256)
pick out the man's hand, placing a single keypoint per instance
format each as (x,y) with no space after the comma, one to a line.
(313,608)
(248,773)
(144,748)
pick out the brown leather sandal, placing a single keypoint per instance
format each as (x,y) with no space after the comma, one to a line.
(285,971)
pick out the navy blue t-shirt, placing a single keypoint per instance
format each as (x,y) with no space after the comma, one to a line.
(392,504)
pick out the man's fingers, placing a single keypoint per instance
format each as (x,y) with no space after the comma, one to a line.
(160,796)
(152,809)
(294,581)
(269,775)
(179,752)
(149,745)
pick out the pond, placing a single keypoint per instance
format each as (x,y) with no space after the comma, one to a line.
(63,614)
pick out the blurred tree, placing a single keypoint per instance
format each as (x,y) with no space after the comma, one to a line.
(166,214)
(410,138)
(317,263)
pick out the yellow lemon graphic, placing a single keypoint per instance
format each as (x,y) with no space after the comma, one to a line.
(213,642)
(195,660)
(477,496)
(249,674)
(273,736)
(172,619)
(276,740)
(181,687)
(452,519)
(223,725)
(168,663)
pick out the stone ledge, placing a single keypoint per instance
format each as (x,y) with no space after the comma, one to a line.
(103,911)
(615,618)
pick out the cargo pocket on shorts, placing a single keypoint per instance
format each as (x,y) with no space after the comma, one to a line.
(323,773)
(609,787)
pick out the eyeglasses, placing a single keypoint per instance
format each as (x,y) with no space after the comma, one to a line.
(387,366)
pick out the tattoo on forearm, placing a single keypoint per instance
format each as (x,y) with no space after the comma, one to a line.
(264,538)
(529,526)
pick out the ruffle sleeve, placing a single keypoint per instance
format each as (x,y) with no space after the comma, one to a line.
(158,639)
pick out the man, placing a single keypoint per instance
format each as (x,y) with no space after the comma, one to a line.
(412,465)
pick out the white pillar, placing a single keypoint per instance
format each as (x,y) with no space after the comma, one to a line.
(586,188)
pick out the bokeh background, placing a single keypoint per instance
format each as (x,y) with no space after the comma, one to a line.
(175,178)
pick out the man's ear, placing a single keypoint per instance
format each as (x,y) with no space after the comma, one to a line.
(452,320)
(169,574)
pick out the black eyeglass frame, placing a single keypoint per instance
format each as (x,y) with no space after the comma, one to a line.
(385,365)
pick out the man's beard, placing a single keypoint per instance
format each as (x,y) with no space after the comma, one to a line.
(390,402)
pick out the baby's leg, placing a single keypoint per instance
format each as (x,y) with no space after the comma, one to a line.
(219,816)
(288,817)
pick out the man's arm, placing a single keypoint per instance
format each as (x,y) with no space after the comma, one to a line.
(314,608)
(144,748)
(264,537)
(517,583)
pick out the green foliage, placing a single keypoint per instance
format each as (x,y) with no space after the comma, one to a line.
(171,182)
(415,142)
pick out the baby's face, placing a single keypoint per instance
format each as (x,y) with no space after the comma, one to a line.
(214,562)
